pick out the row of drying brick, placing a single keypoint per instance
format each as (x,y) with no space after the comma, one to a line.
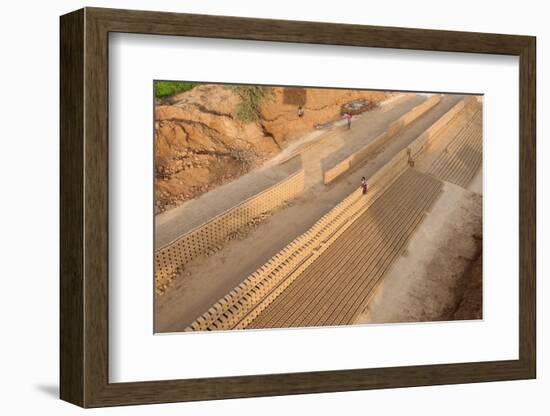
(233,310)
(338,285)
(462,158)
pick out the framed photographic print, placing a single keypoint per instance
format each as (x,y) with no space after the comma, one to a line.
(255,207)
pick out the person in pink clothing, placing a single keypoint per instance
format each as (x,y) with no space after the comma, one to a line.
(348,117)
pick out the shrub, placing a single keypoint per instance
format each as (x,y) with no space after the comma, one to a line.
(251,100)
(168,88)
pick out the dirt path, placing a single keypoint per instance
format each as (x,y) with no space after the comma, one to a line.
(205,282)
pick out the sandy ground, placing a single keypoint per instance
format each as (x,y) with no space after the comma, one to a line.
(429,281)
(204,282)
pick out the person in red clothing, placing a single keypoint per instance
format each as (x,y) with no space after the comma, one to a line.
(364,185)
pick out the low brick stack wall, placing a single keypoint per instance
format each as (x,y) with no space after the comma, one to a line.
(412,115)
(171,259)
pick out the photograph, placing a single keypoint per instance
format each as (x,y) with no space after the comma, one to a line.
(275,208)
(295,207)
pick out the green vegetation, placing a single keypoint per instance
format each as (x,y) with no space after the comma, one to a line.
(167,88)
(251,100)
(251,96)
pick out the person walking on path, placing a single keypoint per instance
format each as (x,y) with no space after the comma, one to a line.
(348,117)
(364,185)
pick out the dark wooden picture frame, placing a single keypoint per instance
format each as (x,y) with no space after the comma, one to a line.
(84,207)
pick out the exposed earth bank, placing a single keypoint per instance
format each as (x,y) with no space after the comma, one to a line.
(201,143)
